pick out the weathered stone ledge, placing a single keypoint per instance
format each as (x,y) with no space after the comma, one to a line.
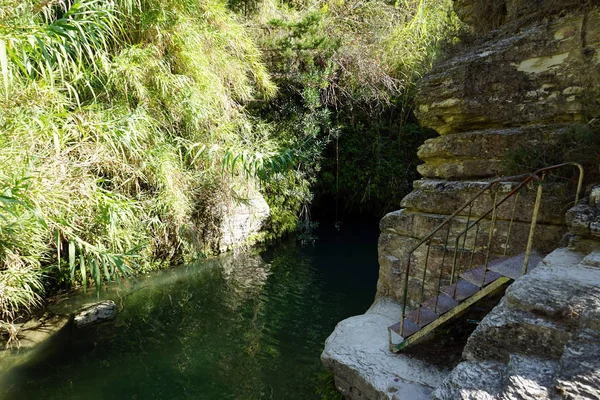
(481,154)
(542,341)
(357,353)
(538,74)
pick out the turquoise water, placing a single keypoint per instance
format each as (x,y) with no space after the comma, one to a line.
(239,327)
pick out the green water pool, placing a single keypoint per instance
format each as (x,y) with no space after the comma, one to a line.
(246,326)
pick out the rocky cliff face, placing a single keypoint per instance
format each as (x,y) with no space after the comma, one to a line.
(533,73)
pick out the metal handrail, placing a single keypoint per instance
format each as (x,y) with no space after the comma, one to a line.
(524,179)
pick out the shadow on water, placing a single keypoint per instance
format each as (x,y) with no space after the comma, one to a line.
(250,326)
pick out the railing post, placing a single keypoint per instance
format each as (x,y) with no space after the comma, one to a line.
(423,282)
(579,183)
(405,294)
(512,220)
(437,297)
(490,237)
(534,217)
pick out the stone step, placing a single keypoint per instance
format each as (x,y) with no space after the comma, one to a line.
(529,378)
(471,380)
(508,330)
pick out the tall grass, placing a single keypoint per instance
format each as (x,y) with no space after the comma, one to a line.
(104,108)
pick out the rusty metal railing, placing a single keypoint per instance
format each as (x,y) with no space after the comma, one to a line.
(474,223)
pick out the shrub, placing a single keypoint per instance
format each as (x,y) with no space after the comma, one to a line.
(117,116)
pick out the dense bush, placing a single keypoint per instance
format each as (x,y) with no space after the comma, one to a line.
(117,118)
(347,73)
(126,124)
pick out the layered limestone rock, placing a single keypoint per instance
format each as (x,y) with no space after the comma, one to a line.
(524,85)
(538,73)
(242,219)
(531,75)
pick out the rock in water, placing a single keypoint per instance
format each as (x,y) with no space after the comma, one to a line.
(95,313)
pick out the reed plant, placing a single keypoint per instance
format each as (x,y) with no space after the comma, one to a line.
(116,117)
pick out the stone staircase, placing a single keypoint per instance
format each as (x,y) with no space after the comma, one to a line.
(542,341)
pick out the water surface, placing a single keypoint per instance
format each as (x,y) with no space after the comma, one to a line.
(250,326)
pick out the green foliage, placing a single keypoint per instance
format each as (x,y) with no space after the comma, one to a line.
(579,144)
(347,73)
(127,124)
(371,173)
(105,106)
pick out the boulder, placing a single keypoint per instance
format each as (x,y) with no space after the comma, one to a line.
(94,313)
(242,219)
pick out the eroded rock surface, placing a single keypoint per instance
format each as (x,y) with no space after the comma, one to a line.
(542,341)
(242,219)
(358,354)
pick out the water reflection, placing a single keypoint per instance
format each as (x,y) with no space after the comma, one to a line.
(241,327)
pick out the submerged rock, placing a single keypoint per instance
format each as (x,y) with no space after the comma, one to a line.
(38,330)
(95,313)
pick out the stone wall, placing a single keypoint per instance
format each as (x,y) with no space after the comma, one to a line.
(524,84)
